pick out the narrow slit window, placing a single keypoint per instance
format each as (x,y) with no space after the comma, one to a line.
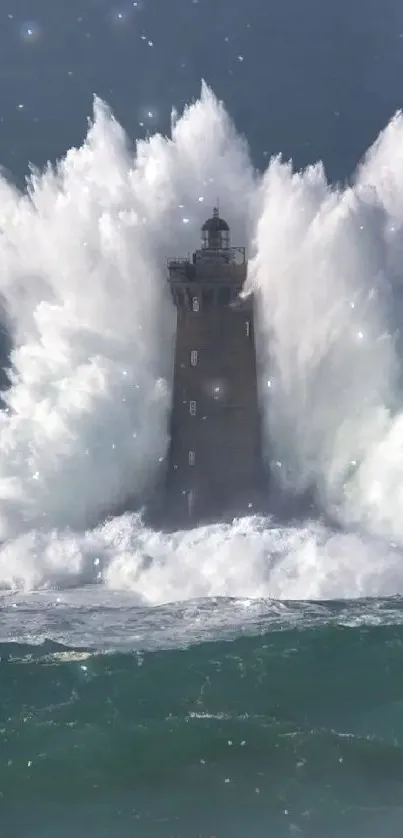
(247,328)
(193,357)
(192,408)
(195,304)
(192,458)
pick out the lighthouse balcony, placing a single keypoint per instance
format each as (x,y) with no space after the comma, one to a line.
(181,270)
(208,261)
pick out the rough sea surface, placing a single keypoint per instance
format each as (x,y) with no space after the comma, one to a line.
(220,717)
(242,679)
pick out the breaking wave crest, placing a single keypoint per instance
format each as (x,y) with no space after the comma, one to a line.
(82,258)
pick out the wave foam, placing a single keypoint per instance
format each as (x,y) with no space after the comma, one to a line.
(82,257)
(249,558)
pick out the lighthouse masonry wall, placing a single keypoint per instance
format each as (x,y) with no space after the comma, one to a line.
(214,467)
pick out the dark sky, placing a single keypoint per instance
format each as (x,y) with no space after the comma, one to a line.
(309,78)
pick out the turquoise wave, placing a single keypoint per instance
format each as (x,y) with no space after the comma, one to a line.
(293,728)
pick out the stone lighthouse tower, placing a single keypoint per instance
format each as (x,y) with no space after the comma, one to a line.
(214,465)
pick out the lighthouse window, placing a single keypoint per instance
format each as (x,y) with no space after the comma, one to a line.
(192,458)
(195,304)
(247,328)
(192,408)
(193,357)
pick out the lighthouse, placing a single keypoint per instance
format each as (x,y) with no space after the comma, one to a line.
(214,467)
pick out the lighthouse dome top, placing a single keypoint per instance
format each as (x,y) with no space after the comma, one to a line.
(215,223)
(215,233)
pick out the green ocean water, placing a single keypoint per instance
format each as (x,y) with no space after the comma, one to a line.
(280,731)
